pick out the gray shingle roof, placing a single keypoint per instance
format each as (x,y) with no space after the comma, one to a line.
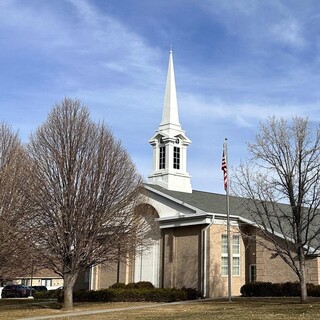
(205,201)
(216,203)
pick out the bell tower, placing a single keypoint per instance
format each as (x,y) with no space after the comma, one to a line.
(170,143)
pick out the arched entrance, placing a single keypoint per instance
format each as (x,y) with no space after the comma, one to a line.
(147,259)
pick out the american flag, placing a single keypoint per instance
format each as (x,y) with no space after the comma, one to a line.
(224,169)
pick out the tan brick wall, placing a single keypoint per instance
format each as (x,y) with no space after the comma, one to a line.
(168,256)
(181,262)
(313,270)
(218,284)
(108,275)
(270,267)
(248,235)
(187,257)
(181,257)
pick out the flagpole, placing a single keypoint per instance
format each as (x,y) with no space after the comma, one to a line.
(227,184)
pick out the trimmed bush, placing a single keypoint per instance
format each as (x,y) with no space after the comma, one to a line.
(144,285)
(118,285)
(268,289)
(192,294)
(313,290)
(130,295)
(264,289)
(290,289)
(50,294)
(93,296)
(134,295)
(140,285)
(133,292)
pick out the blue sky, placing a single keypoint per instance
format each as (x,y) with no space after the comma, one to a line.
(236,63)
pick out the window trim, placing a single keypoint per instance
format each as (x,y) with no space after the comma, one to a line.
(234,256)
(162,157)
(224,254)
(46,282)
(176,158)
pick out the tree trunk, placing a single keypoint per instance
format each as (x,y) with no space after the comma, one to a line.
(303,282)
(69,280)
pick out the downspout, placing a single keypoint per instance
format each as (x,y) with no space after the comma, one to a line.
(205,245)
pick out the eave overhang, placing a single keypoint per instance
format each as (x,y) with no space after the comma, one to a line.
(185,220)
(182,203)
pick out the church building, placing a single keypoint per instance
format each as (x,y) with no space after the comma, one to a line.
(188,242)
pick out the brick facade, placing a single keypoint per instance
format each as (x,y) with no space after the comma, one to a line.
(190,256)
(181,257)
(217,283)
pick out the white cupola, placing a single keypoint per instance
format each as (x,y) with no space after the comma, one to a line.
(170,143)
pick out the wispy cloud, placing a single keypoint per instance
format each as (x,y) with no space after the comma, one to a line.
(260,23)
(122,47)
(236,63)
(290,32)
(243,114)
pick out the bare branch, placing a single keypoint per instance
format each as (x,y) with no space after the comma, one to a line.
(84,190)
(14,241)
(284,167)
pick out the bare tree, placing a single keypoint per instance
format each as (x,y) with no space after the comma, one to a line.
(14,242)
(84,191)
(283,179)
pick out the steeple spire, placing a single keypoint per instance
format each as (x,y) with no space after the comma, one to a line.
(170,143)
(170,116)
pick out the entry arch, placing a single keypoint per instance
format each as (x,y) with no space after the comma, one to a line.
(147,257)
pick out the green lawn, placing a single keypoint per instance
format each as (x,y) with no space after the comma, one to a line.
(239,308)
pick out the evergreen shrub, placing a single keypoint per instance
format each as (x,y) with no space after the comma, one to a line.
(286,289)
(118,285)
(50,294)
(135,292)
(130,295)
(140,285)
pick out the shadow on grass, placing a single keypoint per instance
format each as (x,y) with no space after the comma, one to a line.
(6,304)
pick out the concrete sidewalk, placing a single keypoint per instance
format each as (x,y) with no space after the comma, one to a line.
(92,312)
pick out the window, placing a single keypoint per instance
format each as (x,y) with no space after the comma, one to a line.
(224,244)
(224,266)
(162,157)
(236,266)
(176,158)
(252,273)
(224,255)
(236,245)
(46,282)
(235,255)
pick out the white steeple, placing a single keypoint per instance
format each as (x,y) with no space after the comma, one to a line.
(170,116)
(170,143)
